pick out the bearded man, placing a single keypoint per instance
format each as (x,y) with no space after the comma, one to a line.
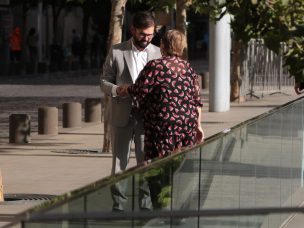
(122,66)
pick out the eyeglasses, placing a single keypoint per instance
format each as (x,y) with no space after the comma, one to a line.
(144,35)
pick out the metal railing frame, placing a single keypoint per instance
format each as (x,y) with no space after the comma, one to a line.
(263,71)
(163,214)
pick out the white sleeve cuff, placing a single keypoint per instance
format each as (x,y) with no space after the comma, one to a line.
(114,88)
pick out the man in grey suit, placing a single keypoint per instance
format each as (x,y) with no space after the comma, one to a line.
(122,66)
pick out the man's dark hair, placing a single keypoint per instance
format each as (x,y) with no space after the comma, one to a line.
(143,19)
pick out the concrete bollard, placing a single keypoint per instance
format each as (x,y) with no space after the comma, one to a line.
(19,128)
(1,189)
(71,115)
(92,110)
(48,121)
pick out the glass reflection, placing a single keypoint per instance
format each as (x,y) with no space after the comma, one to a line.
(258,164)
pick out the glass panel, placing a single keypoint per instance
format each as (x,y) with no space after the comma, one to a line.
(209,187)
(227,222)
(268,165)
(258,164)
(220,173)
(247,169)
(44,225)
(73,206)
(86,224)
(230,159)
(232,221)
(185,189)
(100,200)
(297,152)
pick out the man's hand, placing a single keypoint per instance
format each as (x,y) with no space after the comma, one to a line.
(297,88)
(122,90)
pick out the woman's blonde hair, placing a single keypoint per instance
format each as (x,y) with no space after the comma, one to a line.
(174,43)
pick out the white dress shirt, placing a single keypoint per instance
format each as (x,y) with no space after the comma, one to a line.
(139,60)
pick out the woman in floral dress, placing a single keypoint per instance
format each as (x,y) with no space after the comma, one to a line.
(167,92)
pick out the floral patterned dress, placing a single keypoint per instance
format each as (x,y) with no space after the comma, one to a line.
(167,93)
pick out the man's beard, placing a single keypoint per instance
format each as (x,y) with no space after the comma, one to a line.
(141,44)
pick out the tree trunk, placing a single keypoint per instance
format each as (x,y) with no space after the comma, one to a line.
(87,11)
(181,19)
(115,36)
(54,40)
(56,14)
(116,22)
(23,32)
(236,73)
(85,24)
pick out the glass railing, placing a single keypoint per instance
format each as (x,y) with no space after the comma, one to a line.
(247,176)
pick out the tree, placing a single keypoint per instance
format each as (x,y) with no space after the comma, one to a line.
(181,19)
(290,29)
(154,5)
(115,36)
(57,6)
(116,25)
(274,21)
(87,7)
(96,10)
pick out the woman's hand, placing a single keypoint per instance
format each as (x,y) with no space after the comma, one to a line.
(199,130)
(122,90)
(200,135)
(297,88)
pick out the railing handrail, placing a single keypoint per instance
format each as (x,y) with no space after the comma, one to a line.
(163,214)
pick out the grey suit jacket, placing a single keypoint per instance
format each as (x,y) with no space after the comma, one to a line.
(117,70)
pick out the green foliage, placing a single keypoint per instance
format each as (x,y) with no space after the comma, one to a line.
(202,7)
(164,197)
(275,21)
(163,5)
(293,17)
(160,179)
(294,58)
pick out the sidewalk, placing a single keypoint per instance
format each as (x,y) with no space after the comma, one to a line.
(54,165)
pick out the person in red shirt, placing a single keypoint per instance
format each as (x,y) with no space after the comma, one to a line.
(15,45)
